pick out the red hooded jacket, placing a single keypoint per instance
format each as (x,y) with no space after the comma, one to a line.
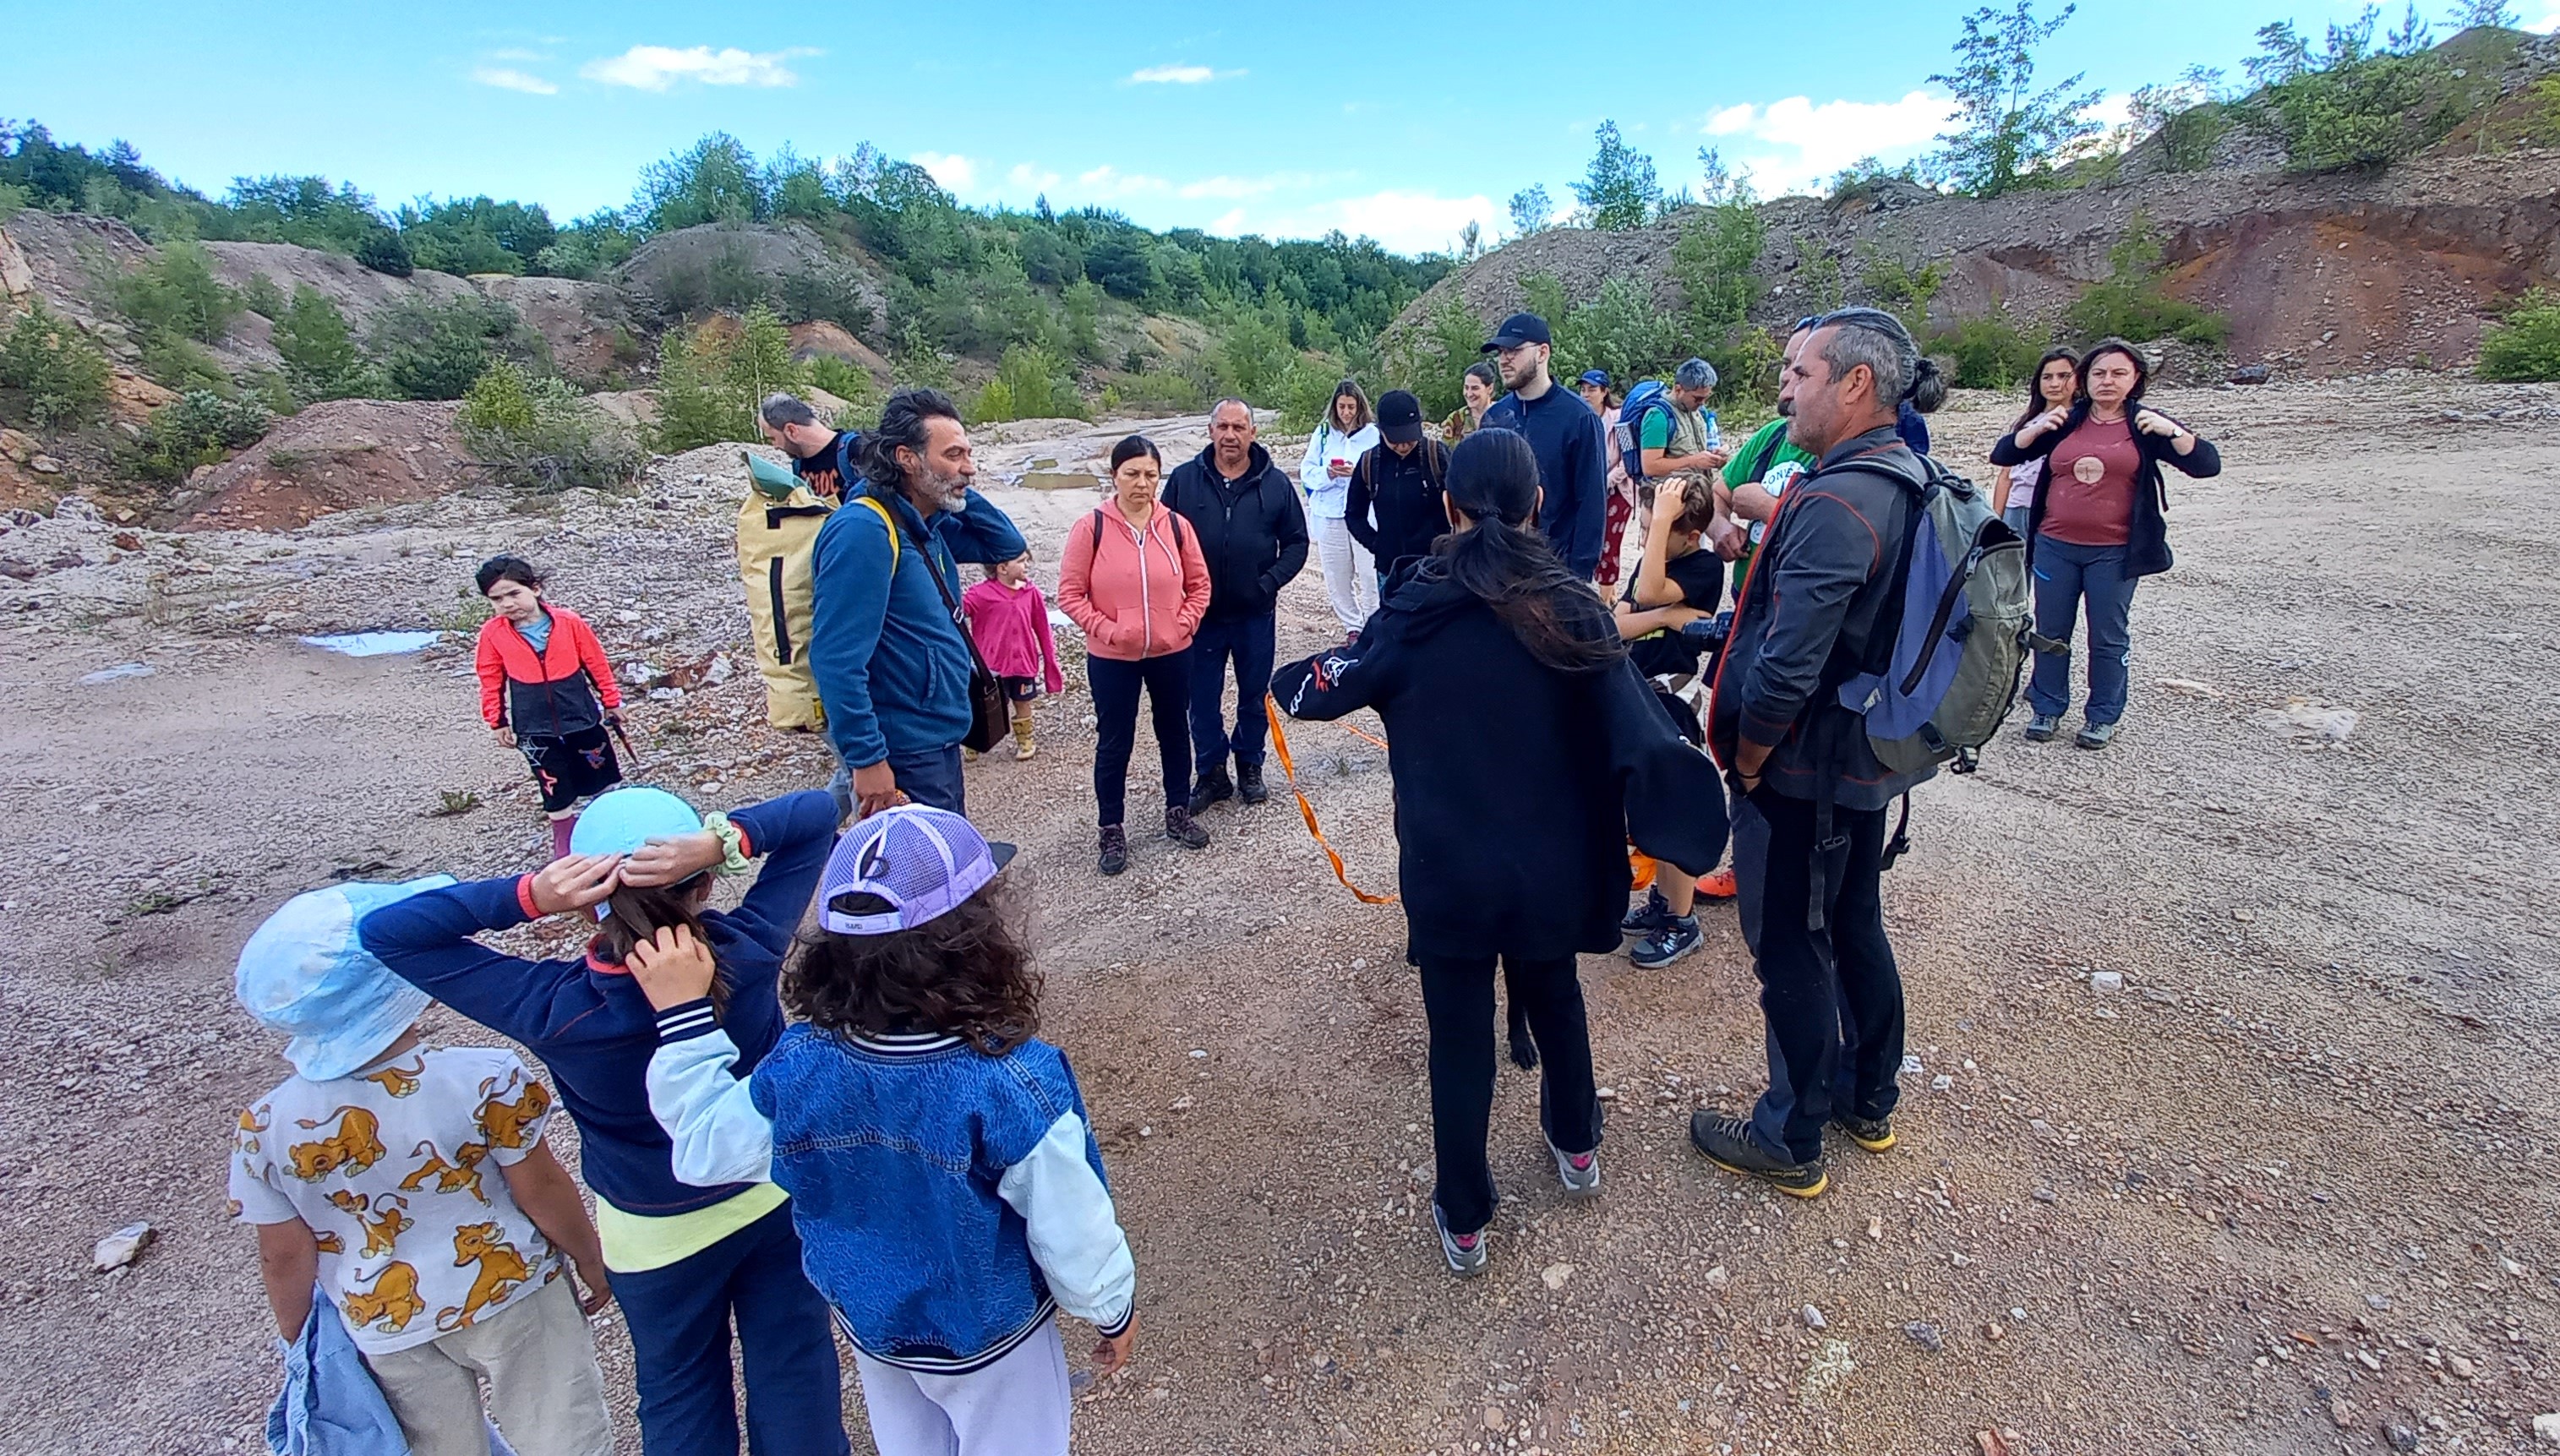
(550,695)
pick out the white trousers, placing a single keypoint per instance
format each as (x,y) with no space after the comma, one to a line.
(1350,573)
(1018,1406)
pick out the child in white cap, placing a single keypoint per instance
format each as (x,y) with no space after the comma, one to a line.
(413,1185)
(942,1172)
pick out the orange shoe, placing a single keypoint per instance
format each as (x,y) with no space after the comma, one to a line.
(1719,885)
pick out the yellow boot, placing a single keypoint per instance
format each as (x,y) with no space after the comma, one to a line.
(1024,748)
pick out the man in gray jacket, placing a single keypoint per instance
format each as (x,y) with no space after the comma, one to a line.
(1809,838)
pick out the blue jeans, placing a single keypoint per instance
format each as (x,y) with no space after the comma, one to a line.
(1250,643)
(2066,576)
(2015,516)
(1115,687)
(931,777)
(679,1317)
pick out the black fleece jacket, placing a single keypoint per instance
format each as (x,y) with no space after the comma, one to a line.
(1403,493)
(1512,826)
(2148,553)
(1252,530)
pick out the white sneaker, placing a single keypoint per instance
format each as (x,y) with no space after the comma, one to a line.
(1578,1172)
(1464,1251)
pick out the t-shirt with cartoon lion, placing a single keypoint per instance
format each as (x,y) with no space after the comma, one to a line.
(396,1169)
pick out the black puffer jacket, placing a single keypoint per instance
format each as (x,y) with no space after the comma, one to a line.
(1512,826)
(2146,549)
(1252,530)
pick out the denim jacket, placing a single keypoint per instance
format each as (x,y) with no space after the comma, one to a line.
(947,1201)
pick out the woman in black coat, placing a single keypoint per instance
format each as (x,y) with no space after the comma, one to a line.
(2099,525)
(1521,740)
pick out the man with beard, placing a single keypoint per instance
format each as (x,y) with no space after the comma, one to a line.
(824,458)
(1572,466)
(885,647)
(1253,533)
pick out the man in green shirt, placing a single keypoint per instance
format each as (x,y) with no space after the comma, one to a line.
(1759,473)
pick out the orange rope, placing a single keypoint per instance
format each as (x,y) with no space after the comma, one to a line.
(1280,746)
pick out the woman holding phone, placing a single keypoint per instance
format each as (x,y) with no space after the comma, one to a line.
(1350,573)
(2099,525)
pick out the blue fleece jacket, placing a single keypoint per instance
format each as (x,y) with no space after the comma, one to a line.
(589,1023)
(890,662)
(1572,468)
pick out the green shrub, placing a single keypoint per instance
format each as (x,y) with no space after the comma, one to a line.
(260,296)
(832,294)
(1900,289)
(1712,262)
(382,251)
(184,363)
(12,199)
(2354,102)
(2524,345)
(1155,392)
(536,431)
(2130,304)
(1989,353)
(433,350)
(1030,384)
(711,375)
(63,377)
(199,427)
(176,295)
(850,383)
(319,354)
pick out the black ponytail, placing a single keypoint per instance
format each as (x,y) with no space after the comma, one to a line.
(1928,385)
(1502,558)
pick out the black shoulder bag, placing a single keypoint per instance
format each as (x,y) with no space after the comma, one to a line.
(989,720)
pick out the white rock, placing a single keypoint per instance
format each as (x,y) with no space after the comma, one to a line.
(1814,1319)
(2106,983)
(120,1249)
(719,669)
(1941,1082)
(2547,1427)
(1911,1065)
(1717,1279)
(1553,1276)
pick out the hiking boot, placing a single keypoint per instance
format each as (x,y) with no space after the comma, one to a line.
(1214,785)
(1182,829)
(1578,1172)
(1115,850)
(1249,783)
(2096,735)
(1676,940)
(1646,919)
(2042,726)
(1024,746)
(1728,1144)
(1464,1251)
(1719,885)
(1875,1134)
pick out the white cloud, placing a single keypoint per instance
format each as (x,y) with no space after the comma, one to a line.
(657,67)
(2114,110)
(2549,21)
(506,80)
(518,52)
(955,173)
(1179,75)
(1231,188)
(1802,142)
(1025,175)
(1110,181)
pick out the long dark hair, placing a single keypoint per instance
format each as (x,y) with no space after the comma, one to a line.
(634,914)
(903,423)
(2036,404)
(2141,369)
(1502,558)
(962,973)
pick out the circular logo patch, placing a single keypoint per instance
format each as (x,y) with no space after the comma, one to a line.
(2088,470)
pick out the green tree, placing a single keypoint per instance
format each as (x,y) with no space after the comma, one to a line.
(63,377)
(1902,289)
(1531,211)
(1031,384)
(2007,130)
(199,427)
(1083,300)
(1712,262)
(177,295)
(1618,190)
(319,354)
(2475,14)
(434,350)
(535,431)
(2354,103)
(2525,344)
(712,377)
(716,180)
(2132,303)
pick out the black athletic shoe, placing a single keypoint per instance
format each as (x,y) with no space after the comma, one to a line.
(1214,785)
(1115,850)
(1875,1134)
(1679,939)
(1182,829)
(1646,919)
(1728,1144)
(1249,783)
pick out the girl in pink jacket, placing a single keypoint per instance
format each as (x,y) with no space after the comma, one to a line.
(1135,583)
(1009,620)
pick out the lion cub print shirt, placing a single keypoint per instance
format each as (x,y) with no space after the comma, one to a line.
(396,1169)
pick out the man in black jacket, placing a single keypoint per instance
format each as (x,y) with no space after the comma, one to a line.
(1573,464)
(1809,838)
(1253,533)
(1395,504)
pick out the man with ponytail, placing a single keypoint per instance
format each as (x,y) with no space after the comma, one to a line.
(1512,826)
(1808,826)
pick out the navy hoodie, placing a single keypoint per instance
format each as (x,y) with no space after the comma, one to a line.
(1572,468)
(589,1023)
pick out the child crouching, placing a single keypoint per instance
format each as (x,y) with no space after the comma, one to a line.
(945,1184)
(413,1184)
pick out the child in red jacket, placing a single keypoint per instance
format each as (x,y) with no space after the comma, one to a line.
(1009,620)
(547,690)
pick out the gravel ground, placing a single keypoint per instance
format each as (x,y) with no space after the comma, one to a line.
(2279,1180)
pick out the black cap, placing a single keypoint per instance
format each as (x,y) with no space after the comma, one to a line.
(1519,329)
(1399,416)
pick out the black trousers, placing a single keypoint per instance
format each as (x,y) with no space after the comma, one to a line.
(1115,684)
(1458,1002)
(1832,997)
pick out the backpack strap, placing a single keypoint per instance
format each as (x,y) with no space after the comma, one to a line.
(881,511)
(1767,458)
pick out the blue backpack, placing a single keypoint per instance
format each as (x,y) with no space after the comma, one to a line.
(1626,438)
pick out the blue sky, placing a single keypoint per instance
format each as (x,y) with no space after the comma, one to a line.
(1398,121)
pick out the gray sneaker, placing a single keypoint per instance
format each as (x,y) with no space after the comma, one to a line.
(2042,726)
(1464,1251)
(1578,1172)
(2096,735)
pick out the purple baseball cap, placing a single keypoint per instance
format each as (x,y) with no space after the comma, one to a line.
(902,867)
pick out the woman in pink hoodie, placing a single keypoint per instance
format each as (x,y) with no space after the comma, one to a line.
(1009,620)
(1134,580)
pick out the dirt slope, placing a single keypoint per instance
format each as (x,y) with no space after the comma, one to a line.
(2294,1185)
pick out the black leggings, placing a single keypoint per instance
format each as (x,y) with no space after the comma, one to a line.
(1115,684)
(1458,1002)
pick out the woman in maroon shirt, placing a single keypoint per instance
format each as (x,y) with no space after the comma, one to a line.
(2098,526)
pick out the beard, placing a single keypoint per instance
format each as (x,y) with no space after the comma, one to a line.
(948,492)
